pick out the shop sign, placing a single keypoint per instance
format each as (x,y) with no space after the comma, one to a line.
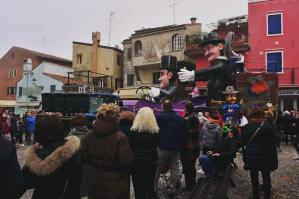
(288,92)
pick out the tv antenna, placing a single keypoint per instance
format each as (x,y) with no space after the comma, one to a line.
(110,24)
(173,5)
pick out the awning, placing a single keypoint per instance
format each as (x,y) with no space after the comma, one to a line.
(7,103)
(28,104)
(129,93)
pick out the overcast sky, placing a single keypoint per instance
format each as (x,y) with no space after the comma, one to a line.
(50,26)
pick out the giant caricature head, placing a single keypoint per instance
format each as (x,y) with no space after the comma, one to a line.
(165,77)
(168,71)
(213,46)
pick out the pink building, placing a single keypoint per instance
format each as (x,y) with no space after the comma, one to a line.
(274,44)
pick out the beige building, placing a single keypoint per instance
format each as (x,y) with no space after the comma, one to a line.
(143,51)
(104,63)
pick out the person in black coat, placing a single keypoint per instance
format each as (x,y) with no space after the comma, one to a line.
(12,183)
(143,140)
(260,151)
(296,142)
(190,149)
(13,127)
(53,165)
(170,143)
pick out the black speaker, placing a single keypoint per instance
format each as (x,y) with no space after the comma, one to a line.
(53,102)
(76,103)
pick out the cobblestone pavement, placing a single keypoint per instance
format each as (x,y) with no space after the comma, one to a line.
(285,181)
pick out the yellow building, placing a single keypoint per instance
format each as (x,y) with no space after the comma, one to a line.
(104,63)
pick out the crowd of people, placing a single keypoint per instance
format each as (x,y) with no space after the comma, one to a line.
(99,161)
(18,129)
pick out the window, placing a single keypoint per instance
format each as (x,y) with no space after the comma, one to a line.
(52,88)
(156,77)
(20,91)
(11,90)
(103,82)
(274,24)
(118,83)
(79,59)
(129,55)
(12,72)
(176,42)
(137,47)
(119,60)
(130,79)
(274,61)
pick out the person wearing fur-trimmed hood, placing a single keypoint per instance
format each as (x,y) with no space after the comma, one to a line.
(53,165)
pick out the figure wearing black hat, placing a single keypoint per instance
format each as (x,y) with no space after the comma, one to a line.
(218,73)
(168,79)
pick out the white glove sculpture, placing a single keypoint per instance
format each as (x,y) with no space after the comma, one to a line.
(154,92)
(186,75)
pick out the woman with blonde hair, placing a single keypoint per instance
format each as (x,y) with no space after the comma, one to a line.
(143,137)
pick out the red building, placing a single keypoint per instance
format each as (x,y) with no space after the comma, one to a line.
(11,71)
(274,44)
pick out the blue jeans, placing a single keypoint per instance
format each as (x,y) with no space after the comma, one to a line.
(207,165)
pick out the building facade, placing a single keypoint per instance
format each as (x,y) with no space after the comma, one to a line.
(274,45)
(47,77)
(104,63)
(11,71)
(144,48)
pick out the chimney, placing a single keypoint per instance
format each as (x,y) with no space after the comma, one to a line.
(96,38)
(193,20)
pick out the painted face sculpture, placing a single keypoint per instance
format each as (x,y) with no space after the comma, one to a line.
(165,77)
(231,98)
(231,108)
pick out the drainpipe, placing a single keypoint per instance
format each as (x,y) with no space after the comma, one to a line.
(96,38)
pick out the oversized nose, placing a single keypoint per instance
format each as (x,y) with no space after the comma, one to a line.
(206,53)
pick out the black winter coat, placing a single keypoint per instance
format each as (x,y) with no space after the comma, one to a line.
(260,153)
(12,183)
(144,148)
(54,172)
(172,128)
(227,150)
(191,143)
